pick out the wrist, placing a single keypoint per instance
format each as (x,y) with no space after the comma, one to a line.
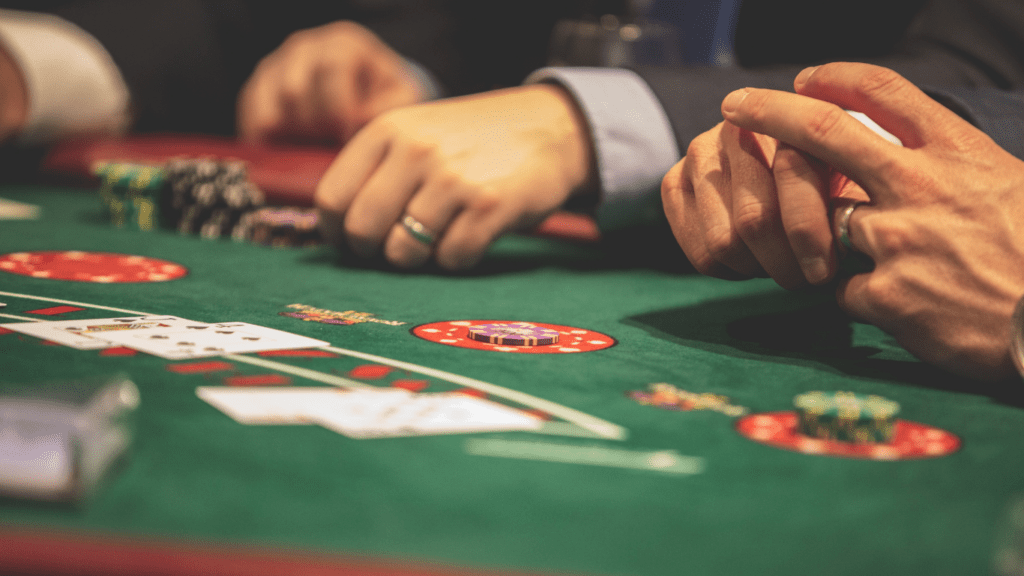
(1017,336)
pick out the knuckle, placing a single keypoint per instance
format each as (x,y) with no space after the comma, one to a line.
(722,243)
(822,123)
(791,164)
(879,82)
(752,220)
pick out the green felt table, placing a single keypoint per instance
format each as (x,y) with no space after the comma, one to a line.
(198,478)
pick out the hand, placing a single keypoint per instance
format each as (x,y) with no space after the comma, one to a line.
(744,205)
(470,169)
(946,223)
(13,97)
(322,85)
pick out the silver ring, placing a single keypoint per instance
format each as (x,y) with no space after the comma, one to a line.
(842,225)
(417,230)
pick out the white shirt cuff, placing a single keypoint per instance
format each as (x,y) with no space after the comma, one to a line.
(74,87)
(632,136)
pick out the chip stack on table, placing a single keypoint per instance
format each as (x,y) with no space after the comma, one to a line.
(132,194)
(279,226)
(846,417)
(209,197)
(513,334)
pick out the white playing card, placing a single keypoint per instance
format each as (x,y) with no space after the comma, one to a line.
(288,339)
(90,334)
(212,340)
(390,413)
(14,210)
(284,405)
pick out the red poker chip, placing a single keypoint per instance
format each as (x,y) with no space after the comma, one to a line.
(570,341)
(99,267)
(910,441)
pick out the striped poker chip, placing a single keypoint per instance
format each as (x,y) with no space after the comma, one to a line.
(101,267)
(571,339)
(513,334)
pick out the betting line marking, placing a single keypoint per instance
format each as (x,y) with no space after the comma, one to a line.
(58,301)
(21,318)
(298,371)
(602,428)
(666,461)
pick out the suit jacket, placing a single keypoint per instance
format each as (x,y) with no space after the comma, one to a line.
(965,43)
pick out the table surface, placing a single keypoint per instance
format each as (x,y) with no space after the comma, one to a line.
(195,475)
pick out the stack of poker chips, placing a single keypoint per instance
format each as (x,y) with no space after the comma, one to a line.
(279,226)
(208,197)
(846,417)
(211,198)
(131,193)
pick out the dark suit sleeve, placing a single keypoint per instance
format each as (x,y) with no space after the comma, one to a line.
(970,43)
(997,113)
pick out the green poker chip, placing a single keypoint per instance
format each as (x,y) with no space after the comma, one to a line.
(846,417)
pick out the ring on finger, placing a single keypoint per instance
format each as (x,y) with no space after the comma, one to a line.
(417,230)
(842,224)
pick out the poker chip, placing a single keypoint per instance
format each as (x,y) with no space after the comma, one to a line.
(570,339)
(279,226)
(99,267)
(910,440)
(846,417)
(513,334)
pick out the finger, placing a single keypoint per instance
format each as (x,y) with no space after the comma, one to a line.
(434,205)
(681,210)
(296,91)
(755,208)
(345,176)
(340,97)
(711,181)
(471,232)
(259,113)
(802,184)
(884,96)
(382,199)
(821,129)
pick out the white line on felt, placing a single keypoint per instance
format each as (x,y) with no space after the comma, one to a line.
(297,371)
(602,427)
(22,318)
(667,461)
(58,301)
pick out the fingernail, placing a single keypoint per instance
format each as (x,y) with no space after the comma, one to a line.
(815,269)
(732,101)
(803,77)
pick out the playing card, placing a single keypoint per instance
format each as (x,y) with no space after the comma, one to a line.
(287,340)
(177,343)
(91,334)
(13,210)
(285,405)
(378,413)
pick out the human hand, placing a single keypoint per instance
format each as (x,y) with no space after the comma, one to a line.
(322,85)
(13,97)
(743,205)
(946,223)
(469,169)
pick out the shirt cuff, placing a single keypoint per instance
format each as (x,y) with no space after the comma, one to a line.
(633,141)
(73,85)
